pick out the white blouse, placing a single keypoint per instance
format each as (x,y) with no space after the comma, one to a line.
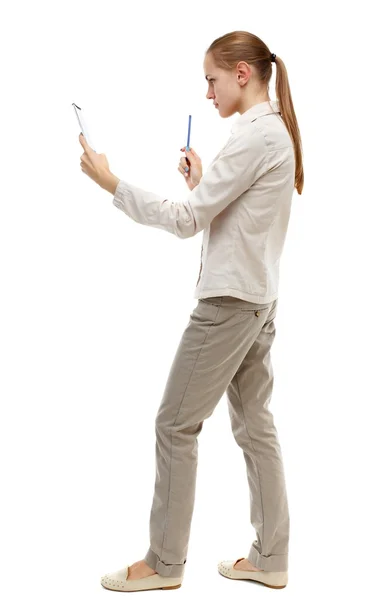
(242,204)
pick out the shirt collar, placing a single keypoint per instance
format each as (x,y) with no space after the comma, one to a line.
(255,111)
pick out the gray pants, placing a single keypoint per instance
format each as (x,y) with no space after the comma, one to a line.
(224,348)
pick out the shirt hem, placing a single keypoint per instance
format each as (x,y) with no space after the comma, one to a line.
(258,299)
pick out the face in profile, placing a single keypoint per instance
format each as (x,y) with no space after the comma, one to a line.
(223,88)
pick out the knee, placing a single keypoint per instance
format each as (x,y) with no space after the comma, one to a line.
(164,426)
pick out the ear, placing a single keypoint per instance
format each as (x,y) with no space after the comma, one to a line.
(243,71)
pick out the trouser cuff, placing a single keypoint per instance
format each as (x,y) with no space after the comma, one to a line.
(154,562)
(274,562)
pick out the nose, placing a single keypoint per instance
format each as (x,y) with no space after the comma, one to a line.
(209,95)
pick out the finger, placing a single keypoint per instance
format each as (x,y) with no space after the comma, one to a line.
(185,164)
(184,149)
(183,172)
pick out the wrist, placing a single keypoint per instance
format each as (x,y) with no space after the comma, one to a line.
(109,182)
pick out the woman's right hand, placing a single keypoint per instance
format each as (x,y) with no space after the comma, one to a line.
(193,162)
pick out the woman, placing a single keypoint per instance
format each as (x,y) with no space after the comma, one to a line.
(242,203)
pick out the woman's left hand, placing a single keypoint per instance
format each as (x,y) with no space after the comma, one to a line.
(94,165)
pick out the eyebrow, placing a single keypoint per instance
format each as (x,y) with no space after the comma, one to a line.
(206,77)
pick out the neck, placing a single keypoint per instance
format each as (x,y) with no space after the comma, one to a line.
(251,100)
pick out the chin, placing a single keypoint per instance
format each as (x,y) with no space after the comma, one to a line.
(225,114)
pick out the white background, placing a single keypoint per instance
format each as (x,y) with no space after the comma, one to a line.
(93,305)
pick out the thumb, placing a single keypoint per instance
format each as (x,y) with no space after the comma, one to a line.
(85,145)
(82,140)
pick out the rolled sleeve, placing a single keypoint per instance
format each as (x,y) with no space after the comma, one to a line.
(241,162)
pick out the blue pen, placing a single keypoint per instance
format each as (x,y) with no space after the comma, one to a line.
(189,132)
(188,136)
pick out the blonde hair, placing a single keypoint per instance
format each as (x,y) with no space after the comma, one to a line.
(228,50)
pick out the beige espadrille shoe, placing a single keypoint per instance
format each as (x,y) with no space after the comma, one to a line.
(272,579)
(119,581)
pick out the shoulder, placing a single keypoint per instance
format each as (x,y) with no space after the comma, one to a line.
(249,139)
